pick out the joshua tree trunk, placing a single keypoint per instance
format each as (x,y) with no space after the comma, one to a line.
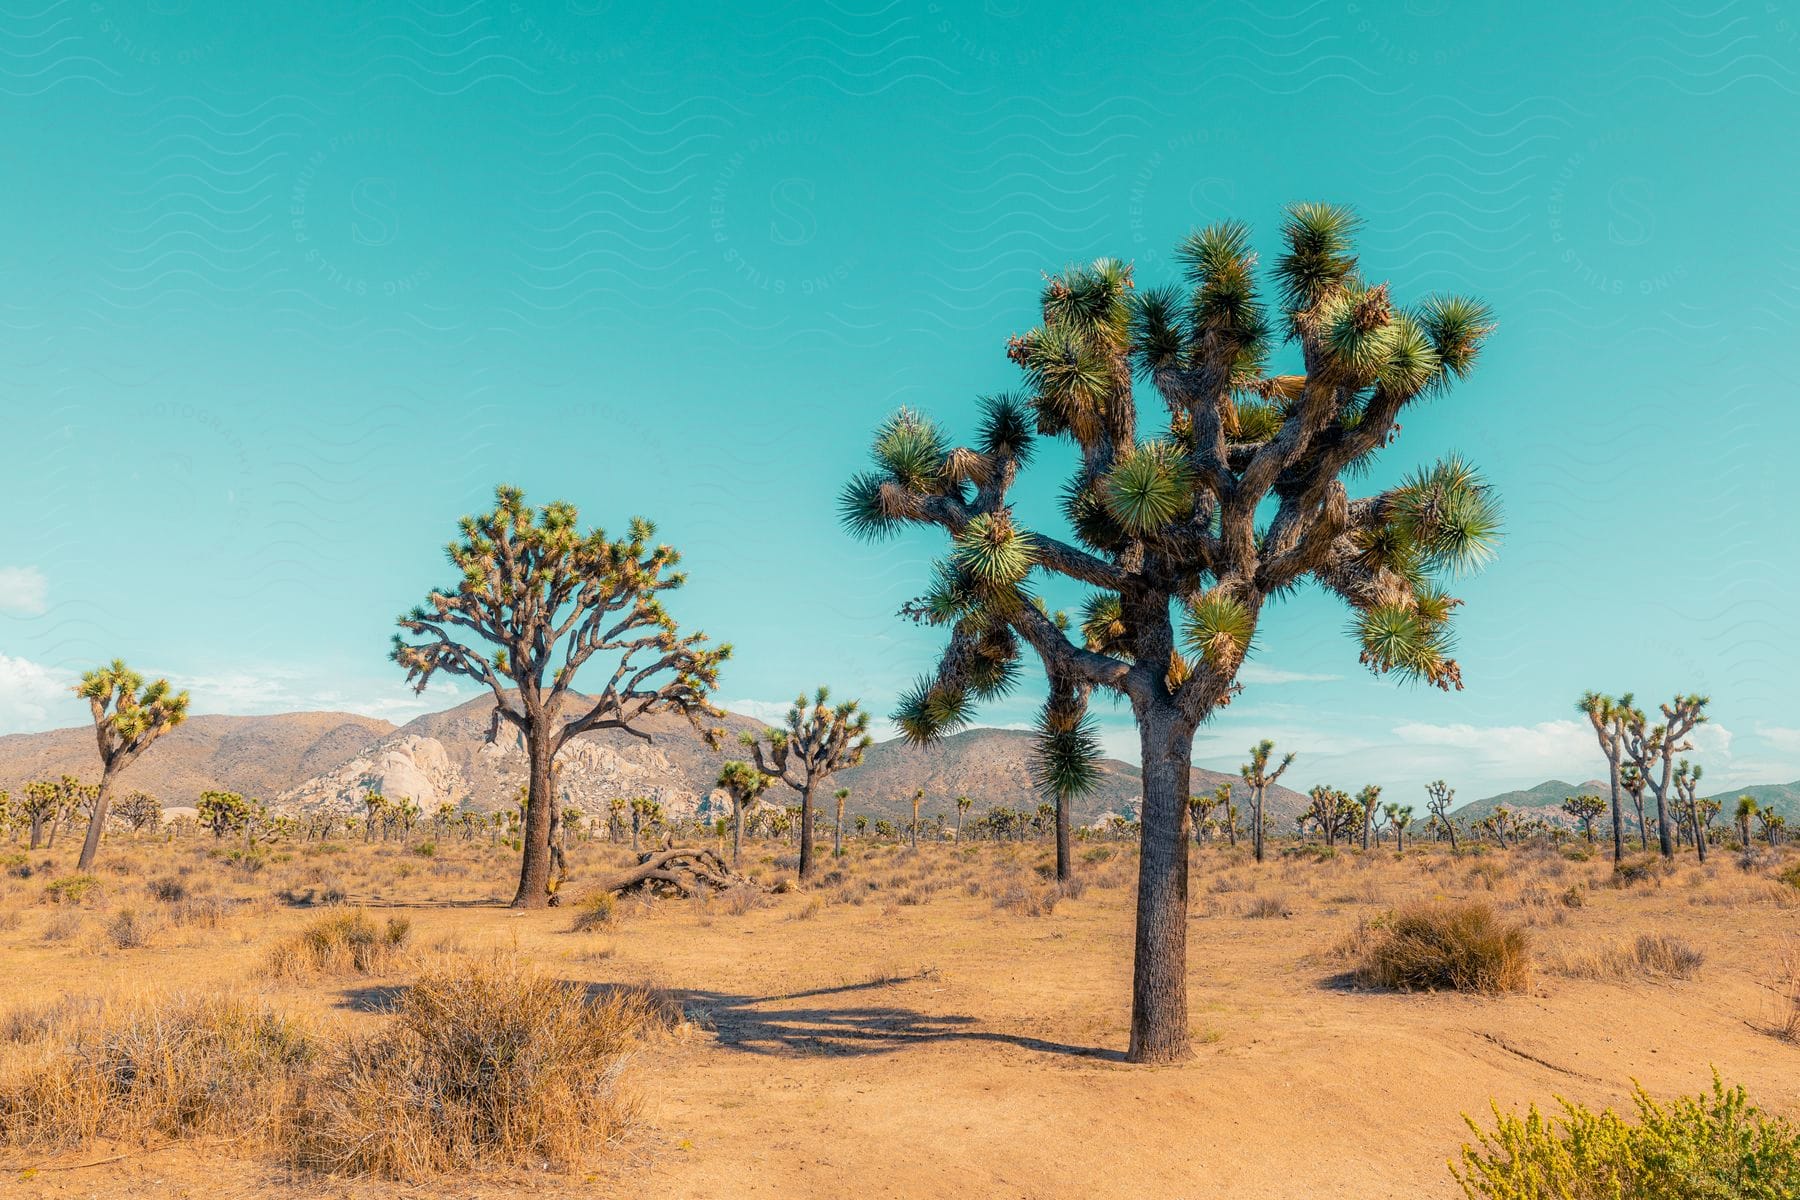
(1399,840)
(534,871)
(1065,861)
(1643,829)
(806,832)
(90,845)
(837,832)
(1159,1011)
(1256,821)
(737,837)
(37,830)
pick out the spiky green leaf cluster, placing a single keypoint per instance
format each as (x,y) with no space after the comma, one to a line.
(1449,514)
(993,553)
(1065,760)
(1219,629)
(1149,488)
(1404,640)
(930,710)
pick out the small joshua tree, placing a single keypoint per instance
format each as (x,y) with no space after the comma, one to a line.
(1368,799)
(43,804)
(128,717)
(1259,779)
(817,741)
(1609,718)
(537,599)
(1332,812)
(837,826)
(963,804)
(744,784)
(1438,798)
(1185,531)
(918,798)
(1652,750)
(1631,781)
(224,812)
(1687,785)
(1584,808)
(1743,815)
(1400,816)
(139,811)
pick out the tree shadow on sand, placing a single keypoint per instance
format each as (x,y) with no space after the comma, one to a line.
(774,1025)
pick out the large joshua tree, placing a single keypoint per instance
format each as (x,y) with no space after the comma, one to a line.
(1185,528)
(817,740)
(537,599)
(128,716)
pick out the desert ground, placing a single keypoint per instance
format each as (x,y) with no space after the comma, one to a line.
(946,1020)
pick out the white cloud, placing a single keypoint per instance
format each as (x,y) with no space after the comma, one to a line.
(33,697)
(1548,746)
(1256,673)
(24,592)
(1781,737)
(769,712)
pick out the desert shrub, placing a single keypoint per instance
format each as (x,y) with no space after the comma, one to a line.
(1574,896)
(1784,982)
(73,889)
(129,929)
(810,909)
(1097,854)
(1716,1146)
(1027,900)
(1072,888)
(199,912)
(598,910)
(211,1065)
(63,926)
(167,889)
(30,1022)
(1790,875)
(1457,945)
(344,944)
(425,849)
(740,899)
(1636,871)
(1656,955)
(485,1064)
(1270,905)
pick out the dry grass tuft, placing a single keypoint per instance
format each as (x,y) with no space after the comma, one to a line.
(343,944)
(486,1063)
(598,910)
(1456,945)
(1652,955)
(1267,905)
(213,1065)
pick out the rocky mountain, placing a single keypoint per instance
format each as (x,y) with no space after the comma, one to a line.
(307,761)
(992,768)
(258,756)
(1544,800)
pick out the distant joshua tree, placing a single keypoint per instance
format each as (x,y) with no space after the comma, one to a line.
(1584,808)
(1259,779)
(837,827)
(1652,750)
(537,598)
(1632,781)
(918,798)
(744,784)
(139,811)
(1745,813)
(963,804)
(1609,718)
(1368,799)
(1695,812)
(817,741)
(1400,816)
(1187,531)
(128,717)
(1331,812)
(1439,796)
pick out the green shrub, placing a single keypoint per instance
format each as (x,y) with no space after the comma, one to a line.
(1716,1146)
(1791,876)
(72,889)
(1457,945)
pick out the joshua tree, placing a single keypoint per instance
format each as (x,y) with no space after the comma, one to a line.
(1609,719)
(862,825)
(1773,823)
(837,828)
(744,784)
(918,798)
(1652,751)
(1438,798)
(1746,811)
(1584,808)
(224,812)
(1332,811)
(1631,781)
(43,805)
(1167,520)
(615,818)
(818,741)
(537,599)
(963,804)
(1368,799)
(1501,822)
(1199,805)
(128,716)
(139,811)
(1401,818)
(1258,778)
(1687,785)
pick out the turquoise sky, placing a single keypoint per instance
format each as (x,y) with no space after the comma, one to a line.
(286,289)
